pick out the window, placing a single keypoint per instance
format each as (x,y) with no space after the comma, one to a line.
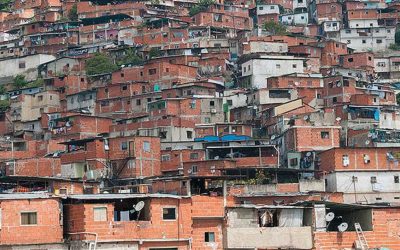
(124,145)
(324,135)
(163,134)
(21,64)
(189,134)
(194,169)
(212,103)
(122,75)
(334,99)
(379,41)
(294,162)
(169,213)
(193,104)
(138,102)
(272,7)
(348,31)
(63,191)
(152,71)
(381,64)
(207,119)
(260,8)
(373,179)
(124,87)
(278,66)
(100,214)
(28,218)
(345,160)
(294,66)
(364,41)
(40,98)
(209,237)
(146,146)
(165,157)
(369,58)
(388,31)
(396,179)
(194,156)
(350,59)
(229,102)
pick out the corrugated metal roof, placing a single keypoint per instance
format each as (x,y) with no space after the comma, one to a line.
(25,196)
(121,196)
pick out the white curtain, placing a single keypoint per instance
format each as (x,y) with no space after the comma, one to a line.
(291,218)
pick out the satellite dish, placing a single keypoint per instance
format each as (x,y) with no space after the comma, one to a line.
(345,107)
(139,206)
(305,118)
(329,216)
(343,227)
(273,137)
(367,142)
(297,83)
(308,154)
(338,119)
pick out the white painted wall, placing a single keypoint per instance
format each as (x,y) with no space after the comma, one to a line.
(264,9)
(363,23)
(260,69)
(11,67)
(342,181)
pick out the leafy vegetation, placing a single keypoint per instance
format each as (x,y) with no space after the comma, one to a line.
(19,82)
(73,13)
(3,89)
(4,105)
(201,6)
(275,28)
(100,64)
(398,98)
(37,83)
(155,52)
(394,46)
(5,5)
(130,58)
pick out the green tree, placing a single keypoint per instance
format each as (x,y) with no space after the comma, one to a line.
(275,28)
(201,6)
(155,52)
(4,105)
(19,82)
(3,89)
(100,64)
(398,98)
(397,37)
(73,13)
(5,5)
(131,58)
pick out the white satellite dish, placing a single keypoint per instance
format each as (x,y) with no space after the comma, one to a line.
(345,107)
(367,142)
(308,154)
(273,137)
(343,227)
(306,117)
(139,206)
(296,83)
(338,119)
(329,216)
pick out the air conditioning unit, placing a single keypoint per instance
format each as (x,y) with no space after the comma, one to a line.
(213,111)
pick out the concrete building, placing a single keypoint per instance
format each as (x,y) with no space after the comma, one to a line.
(256,71)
